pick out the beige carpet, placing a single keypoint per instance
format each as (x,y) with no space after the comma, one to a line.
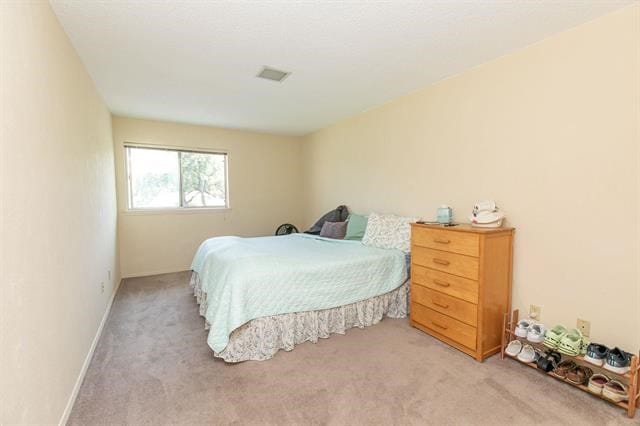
(153,366)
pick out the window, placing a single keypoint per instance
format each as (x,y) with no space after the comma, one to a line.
(170,178)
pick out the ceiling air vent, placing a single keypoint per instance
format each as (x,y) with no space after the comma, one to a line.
(273,74)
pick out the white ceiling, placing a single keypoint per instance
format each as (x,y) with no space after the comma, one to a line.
(196,61)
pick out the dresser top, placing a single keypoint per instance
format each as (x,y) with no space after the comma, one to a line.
(464,227)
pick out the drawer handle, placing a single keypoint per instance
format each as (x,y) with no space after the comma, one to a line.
(441,262)
(441,283)
(444,327)
(441,241)
(441,305)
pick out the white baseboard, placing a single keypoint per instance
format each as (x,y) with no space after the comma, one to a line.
(87,360)
(157,272)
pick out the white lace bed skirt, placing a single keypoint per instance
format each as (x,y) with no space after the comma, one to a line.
(261,338)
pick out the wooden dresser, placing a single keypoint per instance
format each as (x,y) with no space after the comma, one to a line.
(461,285)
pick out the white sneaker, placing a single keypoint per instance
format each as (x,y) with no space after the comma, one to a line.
(522,329)
(536,333)
(528,354)
(513,348)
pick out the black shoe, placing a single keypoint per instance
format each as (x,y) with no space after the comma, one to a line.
(618,361)
(596,354)
(549,361)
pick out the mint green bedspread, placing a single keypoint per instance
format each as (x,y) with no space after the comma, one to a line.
(248,278)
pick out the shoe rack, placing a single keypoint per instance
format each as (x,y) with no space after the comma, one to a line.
(631,378)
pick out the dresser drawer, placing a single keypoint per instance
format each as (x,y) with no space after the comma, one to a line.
(452,285)
(442,324)
(452,263)
(453,241)
(450,306)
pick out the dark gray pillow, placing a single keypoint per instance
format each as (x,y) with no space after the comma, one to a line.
(335,230)
(338,215)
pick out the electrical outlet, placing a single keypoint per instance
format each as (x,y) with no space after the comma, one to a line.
(102,287)
(584,326)
(534,312)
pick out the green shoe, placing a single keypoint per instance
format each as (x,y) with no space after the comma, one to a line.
(571,343)
(552,337)
(585,343)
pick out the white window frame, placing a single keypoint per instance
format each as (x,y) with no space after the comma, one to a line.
(127,168)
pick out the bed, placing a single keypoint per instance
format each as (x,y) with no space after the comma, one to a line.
(261,295)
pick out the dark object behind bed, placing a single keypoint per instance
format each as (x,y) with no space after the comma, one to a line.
(286,229)
(340,214)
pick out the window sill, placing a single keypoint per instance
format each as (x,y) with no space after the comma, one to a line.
(200,210)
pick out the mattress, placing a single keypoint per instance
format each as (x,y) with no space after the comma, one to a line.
(243,279)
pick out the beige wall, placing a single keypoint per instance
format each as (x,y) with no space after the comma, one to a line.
(551,132)
(264,191)
(58,220)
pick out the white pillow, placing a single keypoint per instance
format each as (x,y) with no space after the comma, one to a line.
(389,231)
